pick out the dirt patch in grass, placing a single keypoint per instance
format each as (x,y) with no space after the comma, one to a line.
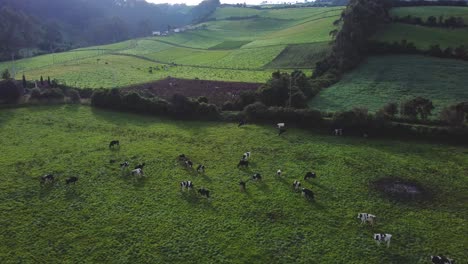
(401,190)
(217,92)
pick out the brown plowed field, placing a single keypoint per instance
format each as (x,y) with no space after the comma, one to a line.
(217,92)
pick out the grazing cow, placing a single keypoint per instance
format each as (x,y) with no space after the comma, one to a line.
(137,172)
(186,184)
(71,180)
(182,157)
(243,163)
(114,143)
(124,165)
(310,175)
(296,185)
(366,218)
(47,178)
(379,238)
(140,166)
(188,163)
(257,177)
(280,125)
(308,194)
(338,132)
(278,172)
(242,186)
(241,123)
(204,192)
(201,168)
(441,260)
(246,156)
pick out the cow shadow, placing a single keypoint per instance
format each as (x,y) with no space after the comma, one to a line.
(261,185)
(315,204)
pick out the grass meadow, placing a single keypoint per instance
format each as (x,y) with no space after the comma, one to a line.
(385,79)
(110,217)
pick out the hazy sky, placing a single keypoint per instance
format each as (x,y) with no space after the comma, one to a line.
(195,2)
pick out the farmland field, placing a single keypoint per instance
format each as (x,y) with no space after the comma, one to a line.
(386,79)
(423,37)
(110,217)
(242,49)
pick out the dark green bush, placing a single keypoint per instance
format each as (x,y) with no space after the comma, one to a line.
(10,92)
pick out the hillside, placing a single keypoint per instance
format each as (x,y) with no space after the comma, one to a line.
(236,44)
(395,77)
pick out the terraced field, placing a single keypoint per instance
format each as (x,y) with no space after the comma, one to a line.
(109,216)
(238,44)
(386,79)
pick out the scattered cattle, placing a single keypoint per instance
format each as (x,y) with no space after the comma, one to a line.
(246,156)
(124,165)
(242,186)
(379,238)
(114,143)
(310,175)
(71,180)
(243,163)
(241,123)
(140,166)
(188,163)
(296,185)
(137,172)
(308,194)
(366,218)
(186,184)
(204,192)
(201,168)
(338,132)
(47,178)
(441,260)
(257,177)
(278,172)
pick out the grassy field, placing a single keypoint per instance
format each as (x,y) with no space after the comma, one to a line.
(215,51)
(423,37)
(386,79)
(426,11)
(109,217)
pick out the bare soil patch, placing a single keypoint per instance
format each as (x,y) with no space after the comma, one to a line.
(217,92)
(402,190)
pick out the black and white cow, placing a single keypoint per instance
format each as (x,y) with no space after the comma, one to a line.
(47,178)
(366,218)
(188,163)
(201,168)
(281,131)
(124,165)
(71,180)
(379,238)
(310,175)
(186,184)
(296,185)
(242,186)
(140,166)
(182,157)
(204,192)
(243,163)
(114,143)
(279,172)
(308,194)
(137,172)
(257,177)
(338,132)
(246,156)
(441,260)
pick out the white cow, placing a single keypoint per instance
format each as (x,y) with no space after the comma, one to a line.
(278,172)
(379,238)
(366,218)
(137,172)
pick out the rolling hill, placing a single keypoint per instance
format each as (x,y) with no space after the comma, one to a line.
(235,44)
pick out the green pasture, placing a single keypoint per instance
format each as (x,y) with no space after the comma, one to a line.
(108,216)
(436,11)
(385,79)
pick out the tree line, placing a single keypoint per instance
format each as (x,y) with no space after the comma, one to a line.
(432,21)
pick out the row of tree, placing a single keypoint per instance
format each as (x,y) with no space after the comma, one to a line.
(432,21)
(405,47)
(405,3)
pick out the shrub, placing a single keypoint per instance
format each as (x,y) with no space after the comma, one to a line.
(358,118)
(454,115)
(74,96)
(298,100)
(202,99)
(10,92)
(35,94)
(229,106)
(6,74)
(418,106)
(53,94)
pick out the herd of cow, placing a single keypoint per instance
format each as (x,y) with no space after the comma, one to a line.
(244,162)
